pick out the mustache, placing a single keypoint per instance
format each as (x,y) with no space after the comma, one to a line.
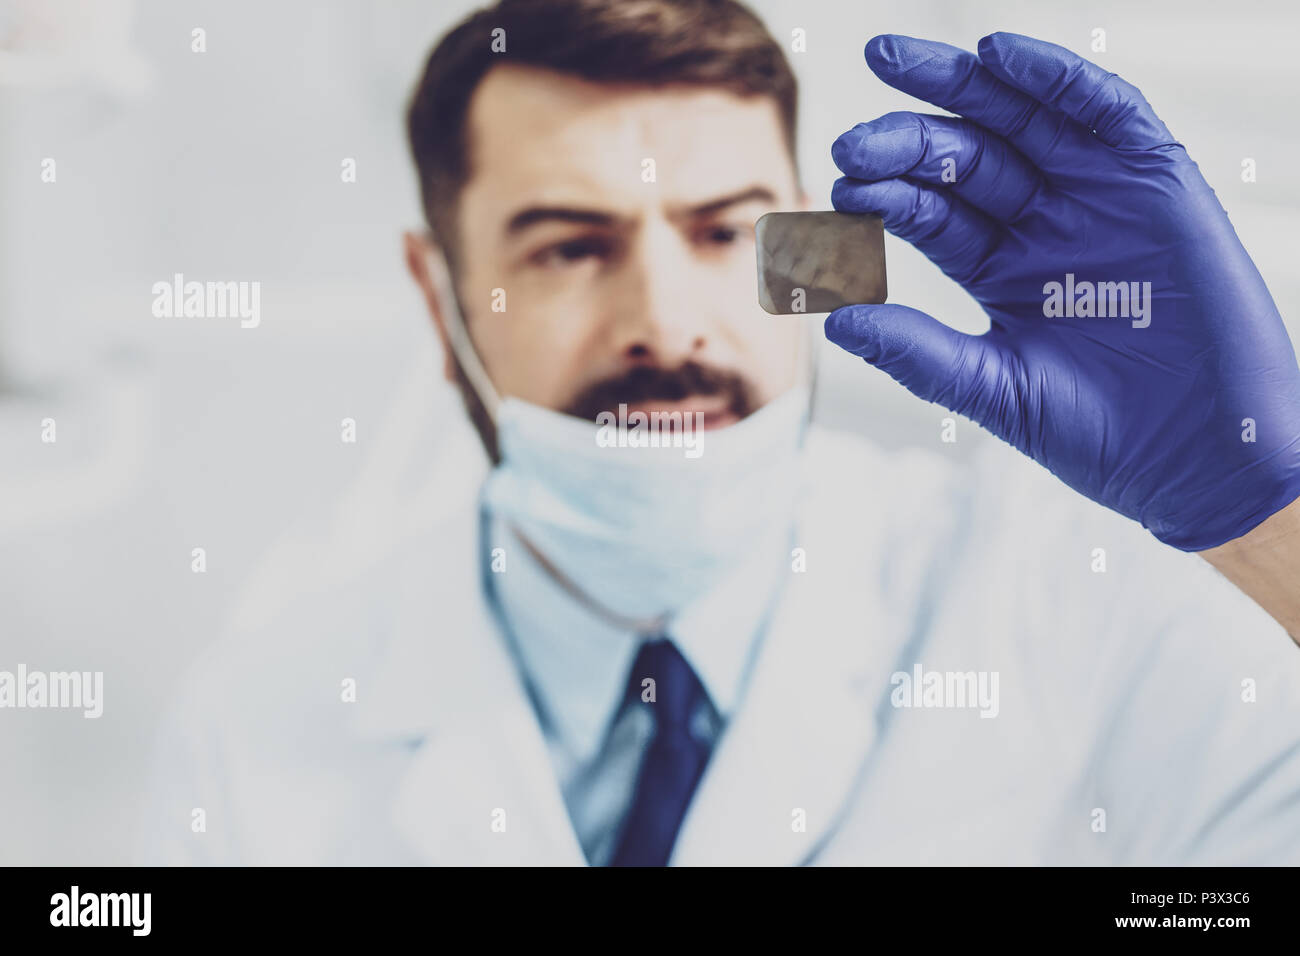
(647,383)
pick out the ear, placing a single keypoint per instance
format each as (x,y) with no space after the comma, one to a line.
(418,247)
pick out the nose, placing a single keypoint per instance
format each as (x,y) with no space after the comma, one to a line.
(661,313)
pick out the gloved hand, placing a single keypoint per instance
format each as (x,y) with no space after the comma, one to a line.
(1058,168)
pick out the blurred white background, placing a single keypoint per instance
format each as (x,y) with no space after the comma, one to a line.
(179,434)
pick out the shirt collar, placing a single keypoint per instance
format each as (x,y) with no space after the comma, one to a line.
(577,662)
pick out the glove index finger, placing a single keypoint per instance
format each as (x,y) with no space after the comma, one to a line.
(1079,88)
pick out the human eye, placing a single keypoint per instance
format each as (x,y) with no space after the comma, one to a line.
(572,252)
(720,235)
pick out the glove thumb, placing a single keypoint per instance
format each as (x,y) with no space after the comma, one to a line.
(963,373)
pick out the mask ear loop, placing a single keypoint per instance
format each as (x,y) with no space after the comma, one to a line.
(462,346)
(645,627)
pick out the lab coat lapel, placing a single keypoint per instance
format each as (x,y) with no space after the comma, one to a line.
(479,787)
(486,795)
(795,749)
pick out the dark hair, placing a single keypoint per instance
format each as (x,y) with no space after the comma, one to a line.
(717,43)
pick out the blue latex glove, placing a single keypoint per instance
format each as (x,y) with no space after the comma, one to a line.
(1057,166)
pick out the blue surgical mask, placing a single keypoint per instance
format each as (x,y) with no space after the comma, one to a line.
(642,532)
(636,533)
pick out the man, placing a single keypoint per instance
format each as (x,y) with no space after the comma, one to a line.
(791,647)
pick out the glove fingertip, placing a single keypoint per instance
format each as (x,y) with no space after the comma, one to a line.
(843,148)
(851,329)
(884,54)
(995,47)
(875,47)
(987,48)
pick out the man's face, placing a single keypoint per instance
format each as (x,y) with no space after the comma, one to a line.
(619,221)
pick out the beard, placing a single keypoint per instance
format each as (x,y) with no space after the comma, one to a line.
(651,384)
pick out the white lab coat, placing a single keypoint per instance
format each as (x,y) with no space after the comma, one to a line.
(1122,735)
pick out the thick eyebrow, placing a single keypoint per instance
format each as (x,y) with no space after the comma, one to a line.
(535,214)
(752,194)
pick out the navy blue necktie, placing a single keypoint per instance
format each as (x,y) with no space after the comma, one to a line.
(674,761)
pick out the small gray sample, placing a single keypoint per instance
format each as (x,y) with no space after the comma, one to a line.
(819,261)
